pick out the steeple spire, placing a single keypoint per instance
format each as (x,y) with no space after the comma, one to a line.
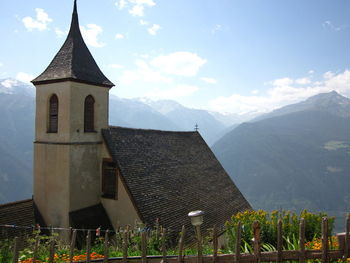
(73,62)
(75,7)
(75,20)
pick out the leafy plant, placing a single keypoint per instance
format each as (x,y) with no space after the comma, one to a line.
(268,225)
(6,247)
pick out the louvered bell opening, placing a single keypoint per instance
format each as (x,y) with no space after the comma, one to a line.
(53,114)
(89,114)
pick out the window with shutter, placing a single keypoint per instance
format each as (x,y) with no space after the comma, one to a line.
(109,180)
(53,114)
(89,114)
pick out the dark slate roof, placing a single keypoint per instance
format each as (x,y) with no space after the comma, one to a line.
(169,174)
(21,213)
(73,61)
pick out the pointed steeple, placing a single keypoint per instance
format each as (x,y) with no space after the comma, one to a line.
(73,61)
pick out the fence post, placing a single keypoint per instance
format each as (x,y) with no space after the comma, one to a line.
(199,244)
(347,237)
(52,250)
(181,244)
(256,232)
(105,250)
(164,252)
(143,247)
(279,241)
(36,245)
(72,245)
(325,240)
(125,244)
(215,244)
(302,240)
(238,242)
(88,246)
(15,250)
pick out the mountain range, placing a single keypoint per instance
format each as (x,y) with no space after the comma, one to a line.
(17,105)
(295,157)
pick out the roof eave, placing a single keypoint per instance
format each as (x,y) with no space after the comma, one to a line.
(50,81)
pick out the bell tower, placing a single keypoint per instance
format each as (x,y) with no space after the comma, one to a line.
(71,109)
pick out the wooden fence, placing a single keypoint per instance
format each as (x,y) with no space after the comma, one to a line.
(325,254)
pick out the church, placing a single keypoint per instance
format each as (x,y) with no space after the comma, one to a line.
(88,174)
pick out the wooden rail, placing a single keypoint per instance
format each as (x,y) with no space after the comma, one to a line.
(324,254)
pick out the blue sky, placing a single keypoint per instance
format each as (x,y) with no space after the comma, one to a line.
(225,55)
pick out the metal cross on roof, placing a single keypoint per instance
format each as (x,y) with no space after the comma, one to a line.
(196,128)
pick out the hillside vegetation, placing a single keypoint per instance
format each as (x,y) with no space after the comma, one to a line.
(294,158)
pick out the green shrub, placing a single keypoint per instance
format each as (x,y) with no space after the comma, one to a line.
(6,247)
(268,225)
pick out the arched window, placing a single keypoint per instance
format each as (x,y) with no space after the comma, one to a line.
(89,114)
(53,114)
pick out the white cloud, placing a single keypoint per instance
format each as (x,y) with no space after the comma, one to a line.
(284,91)
(145,73)
(143,22)
(153,29)
(303,81)
(216,28)
(163,69)
(135,7)
(331,26)
(121,4)
(137,10)
(209,80)
(339,82)
(40,22)
(9,83)
(282,82)
(90,34)
(144,56)
(179,63)
(119,36)
(60,33)
(143,2)
(116,66)
(24,77)
(328,75)
(178,91)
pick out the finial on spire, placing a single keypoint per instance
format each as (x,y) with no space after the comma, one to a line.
(196,128)
(74,28)
(75,6)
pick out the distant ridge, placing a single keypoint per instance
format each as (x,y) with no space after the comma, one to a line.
(295,157)
(331,102)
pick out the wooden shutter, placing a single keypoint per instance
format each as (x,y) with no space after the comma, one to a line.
(109,180)
(53,114)
(89,114)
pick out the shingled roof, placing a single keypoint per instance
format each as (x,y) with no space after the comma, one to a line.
(20,213)
(73,61)
(169,174)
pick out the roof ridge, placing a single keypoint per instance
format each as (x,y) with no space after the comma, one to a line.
(155,130)
(16,202)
